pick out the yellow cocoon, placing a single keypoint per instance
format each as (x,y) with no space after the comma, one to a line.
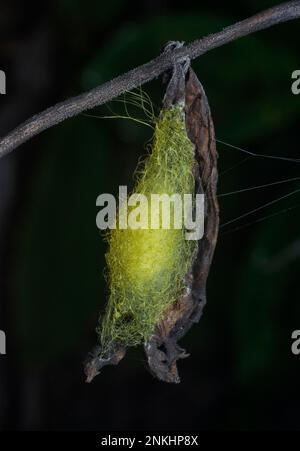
(146,267)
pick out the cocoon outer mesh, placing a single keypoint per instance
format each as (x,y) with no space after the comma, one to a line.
(146,267)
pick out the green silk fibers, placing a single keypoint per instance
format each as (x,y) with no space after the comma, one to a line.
(147,267)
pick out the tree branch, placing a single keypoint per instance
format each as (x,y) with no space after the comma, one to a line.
(143,74)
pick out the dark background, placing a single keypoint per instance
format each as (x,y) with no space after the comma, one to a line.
(241,373)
